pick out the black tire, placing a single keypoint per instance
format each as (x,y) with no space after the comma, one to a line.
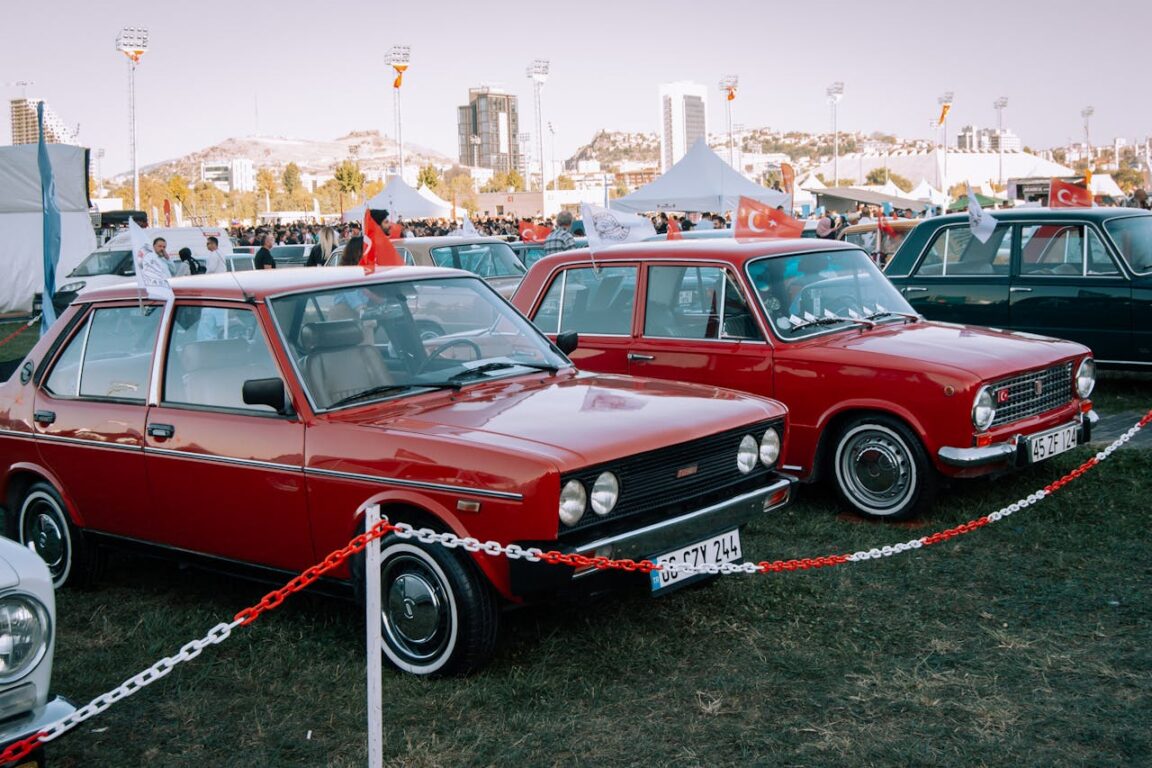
(882,470)
(44,527)
(439,616)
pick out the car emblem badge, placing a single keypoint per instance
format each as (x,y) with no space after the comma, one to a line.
(1002,395)
(1038,387)
(687,471)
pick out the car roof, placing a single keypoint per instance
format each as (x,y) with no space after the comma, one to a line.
(894,223)
(262,283)
(725,249)
(1098,213)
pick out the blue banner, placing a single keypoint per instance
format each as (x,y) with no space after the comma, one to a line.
(887,208)
(51,225)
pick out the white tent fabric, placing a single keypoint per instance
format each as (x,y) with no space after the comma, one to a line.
(22,220)
(402,201)
(960,166)
(700,181)
(436,200)
(925,191)
(1104,184)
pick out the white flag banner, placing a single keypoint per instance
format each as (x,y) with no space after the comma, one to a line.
(469,228)
(983,224)
(151,272)
(605,227)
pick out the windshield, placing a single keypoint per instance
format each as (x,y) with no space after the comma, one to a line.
(359,343)
(808,293)
(1133,238)
(484,259)
(103,263)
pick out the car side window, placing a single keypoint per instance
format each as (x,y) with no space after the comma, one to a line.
(1063,250)
(954,251)
(110,356)
(211,353)
(1100,262)
(696,303)
(589,300)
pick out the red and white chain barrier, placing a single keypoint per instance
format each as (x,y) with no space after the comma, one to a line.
(31,321)
(223,631)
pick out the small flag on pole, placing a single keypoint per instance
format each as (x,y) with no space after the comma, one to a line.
(606,227)
(757,219)
(1061,194)
(151,272)
(51,225)
(982,224)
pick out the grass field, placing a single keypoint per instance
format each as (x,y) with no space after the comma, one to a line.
(1025,643)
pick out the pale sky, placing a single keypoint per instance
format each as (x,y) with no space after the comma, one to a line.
(316,68)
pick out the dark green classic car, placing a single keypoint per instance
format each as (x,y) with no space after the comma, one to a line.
(1083,274)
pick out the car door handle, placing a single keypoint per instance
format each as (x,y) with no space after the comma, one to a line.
(161,430)
(635,358)
(1019,289)
(44,417)
(913,289)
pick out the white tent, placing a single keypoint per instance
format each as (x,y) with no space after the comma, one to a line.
(22,219)
(402,201)
(1104,184)
(925,191)
(942,172)
(701,181)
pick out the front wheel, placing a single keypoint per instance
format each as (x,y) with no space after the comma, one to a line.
(438,616)
(44,527)
(881,469)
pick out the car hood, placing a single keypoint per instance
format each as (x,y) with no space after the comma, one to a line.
(575,419)
(985,353)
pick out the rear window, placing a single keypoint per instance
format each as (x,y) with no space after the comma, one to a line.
(104,263)
(483,259)
(1133,238)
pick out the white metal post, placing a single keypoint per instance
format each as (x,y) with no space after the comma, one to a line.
(372,606)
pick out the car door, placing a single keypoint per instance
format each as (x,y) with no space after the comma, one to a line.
(1066,284)
(698,326)
(962,280)
(226,477)
(90,411)
(597,303)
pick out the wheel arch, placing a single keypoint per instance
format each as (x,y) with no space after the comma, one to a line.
(834,424)
(23,476)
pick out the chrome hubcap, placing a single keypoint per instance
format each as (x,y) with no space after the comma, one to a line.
(878,470)
(415,613)
(46,539)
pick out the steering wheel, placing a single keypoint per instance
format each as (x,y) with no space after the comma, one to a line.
(476,351)
(840,305)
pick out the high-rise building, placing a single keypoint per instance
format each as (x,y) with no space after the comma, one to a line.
(489,129)
(236,175)
(26,131)
(683,119)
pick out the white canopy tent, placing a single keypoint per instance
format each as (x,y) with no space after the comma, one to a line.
(701,181)
(22,219)
(404,202)
(925,191)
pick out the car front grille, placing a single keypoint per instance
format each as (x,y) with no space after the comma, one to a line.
(1031,393)
(677,478)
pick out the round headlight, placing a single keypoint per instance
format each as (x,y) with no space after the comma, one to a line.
(983,409)
(769,447)
(748,454)
(605,492)
(573,500)
(1086,377)
(24,635)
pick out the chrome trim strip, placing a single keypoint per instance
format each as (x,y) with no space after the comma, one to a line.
(89,443)
(14,433)
(415,484)
(225,459)
(661,536)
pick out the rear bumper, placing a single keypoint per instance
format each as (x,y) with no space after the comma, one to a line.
(1008,451)
(534,579)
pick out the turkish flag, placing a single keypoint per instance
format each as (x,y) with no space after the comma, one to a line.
(788,175)
(533,233)
(396,231)
(755,219)
(378,249)
(1061,194)
(885,227)
(674,229)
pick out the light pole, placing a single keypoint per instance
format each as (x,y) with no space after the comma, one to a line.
(835,92)
(1087,113)
(538,73)
(99,170)
(552,152)
(945,103)
(728,84)
(999,105)
(133,42)
(398,58)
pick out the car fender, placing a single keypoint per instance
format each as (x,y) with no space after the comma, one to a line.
(844,409)
(46,475)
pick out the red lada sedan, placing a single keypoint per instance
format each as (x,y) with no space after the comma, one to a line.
(880,400)
(246,420)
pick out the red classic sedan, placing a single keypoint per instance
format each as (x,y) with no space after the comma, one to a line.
(880,400)
(244,421)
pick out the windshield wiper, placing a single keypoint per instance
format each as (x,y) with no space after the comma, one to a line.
(881,312)
(829,319)
(384,389)
(498,365)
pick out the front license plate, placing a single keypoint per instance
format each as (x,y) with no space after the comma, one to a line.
(724,548)
(1047,444)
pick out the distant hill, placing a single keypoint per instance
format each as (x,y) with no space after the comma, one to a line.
(609,147)
(374,152)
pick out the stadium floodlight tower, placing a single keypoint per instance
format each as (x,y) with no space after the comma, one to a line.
(728,84)
(398,57)
(133,43)
(835,92)
(1087,113)
(538,73)
(1000,104)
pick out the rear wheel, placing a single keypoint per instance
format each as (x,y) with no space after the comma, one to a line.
(881,469)
(438,616)
(45,528)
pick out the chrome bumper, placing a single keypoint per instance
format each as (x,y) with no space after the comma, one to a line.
(1006,451)
(55,710)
